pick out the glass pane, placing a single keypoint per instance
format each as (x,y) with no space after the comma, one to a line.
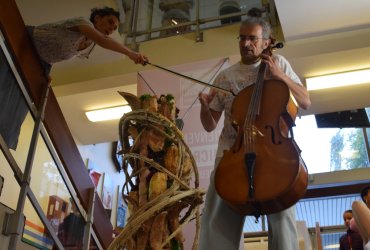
(150,15)
(9,194)
(328,211)
(212,9)
(71,229)
(24,141)
(54,197)
(164,13)
(70,232)
(330,149)
(93,244)
(331,240)
(251,225)
(34,233)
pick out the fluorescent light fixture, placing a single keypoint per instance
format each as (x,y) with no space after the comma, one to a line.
(333,246)
(106,114)
(338,79)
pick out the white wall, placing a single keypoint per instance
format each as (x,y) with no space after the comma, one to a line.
(100,155)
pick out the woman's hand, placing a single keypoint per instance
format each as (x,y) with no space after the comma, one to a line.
(137,57)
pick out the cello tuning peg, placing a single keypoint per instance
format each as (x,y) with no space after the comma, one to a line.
(279,45)
(235,125)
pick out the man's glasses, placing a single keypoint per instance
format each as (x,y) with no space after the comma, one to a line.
(253,39)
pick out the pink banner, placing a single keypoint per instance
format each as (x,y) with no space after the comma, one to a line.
(202,144)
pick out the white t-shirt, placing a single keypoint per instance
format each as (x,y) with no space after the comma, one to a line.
(236,78)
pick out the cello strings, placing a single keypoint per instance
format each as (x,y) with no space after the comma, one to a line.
(254,109)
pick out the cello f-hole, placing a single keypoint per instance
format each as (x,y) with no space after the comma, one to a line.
(273,139)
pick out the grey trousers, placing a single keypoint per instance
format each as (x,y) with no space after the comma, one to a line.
(367,246)
(221,227)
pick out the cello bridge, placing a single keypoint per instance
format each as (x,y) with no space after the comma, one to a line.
(254,131)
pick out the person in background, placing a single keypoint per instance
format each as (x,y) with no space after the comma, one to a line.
(351,240)
(65,39)
(56,42)
(221,227)
(71,230)
(361,217)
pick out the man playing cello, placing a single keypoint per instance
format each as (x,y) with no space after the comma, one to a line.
(221,226)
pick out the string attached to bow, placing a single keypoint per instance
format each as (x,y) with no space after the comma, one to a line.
(180,121)
(193,79)
(214,75)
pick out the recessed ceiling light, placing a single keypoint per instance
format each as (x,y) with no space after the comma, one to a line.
(112,113)
(338,80)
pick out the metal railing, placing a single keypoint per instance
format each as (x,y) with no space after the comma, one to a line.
(197,23)
(14,222)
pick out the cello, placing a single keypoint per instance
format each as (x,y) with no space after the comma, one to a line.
(263,171)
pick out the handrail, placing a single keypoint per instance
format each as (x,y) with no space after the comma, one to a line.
(135,33)
(31,72)
(335,190)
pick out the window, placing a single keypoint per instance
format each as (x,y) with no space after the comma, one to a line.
(330,149)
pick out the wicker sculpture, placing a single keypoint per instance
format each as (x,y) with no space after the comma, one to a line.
(162,182)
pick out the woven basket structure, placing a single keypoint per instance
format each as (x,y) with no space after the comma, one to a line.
(179,202)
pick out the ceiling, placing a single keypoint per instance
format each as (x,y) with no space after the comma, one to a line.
(321,37)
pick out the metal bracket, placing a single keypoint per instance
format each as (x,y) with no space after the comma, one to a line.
(89,219)
(8,225)
(199,37)
(1,183)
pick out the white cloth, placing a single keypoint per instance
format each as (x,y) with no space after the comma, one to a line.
(367,246)
(57,41)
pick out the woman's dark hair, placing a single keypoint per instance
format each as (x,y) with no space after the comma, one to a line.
(106,11)
(364,193)
(348,211)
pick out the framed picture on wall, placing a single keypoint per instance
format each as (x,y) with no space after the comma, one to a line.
(116,157)
(95,174)
(107,192)
(121,209)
